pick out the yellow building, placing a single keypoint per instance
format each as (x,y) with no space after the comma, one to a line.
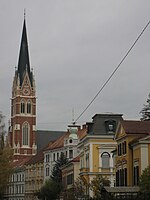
(133,151)
(96,148)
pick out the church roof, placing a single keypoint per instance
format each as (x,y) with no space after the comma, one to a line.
(44,137)
(38,158)
(23,62)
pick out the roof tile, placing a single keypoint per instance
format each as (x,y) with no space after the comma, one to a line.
(136,127)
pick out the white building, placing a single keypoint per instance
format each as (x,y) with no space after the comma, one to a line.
(66,144)
(16,186)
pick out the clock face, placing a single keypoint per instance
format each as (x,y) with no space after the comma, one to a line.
(26,91)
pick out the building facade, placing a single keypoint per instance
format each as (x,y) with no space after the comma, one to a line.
(70,172)
(34,175)
(22,127)
(22,130)
(66,144)
(133,151)
(96,157)
(16,186)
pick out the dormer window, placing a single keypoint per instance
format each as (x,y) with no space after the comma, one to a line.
(110,126)
(70,141)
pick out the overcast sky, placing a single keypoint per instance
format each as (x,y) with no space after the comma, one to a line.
(74,46)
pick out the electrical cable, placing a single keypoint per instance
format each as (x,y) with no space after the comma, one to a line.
(106,82)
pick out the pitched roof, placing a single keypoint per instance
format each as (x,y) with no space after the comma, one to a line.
(44,137)
(144,138)
(136,127)
(59,143)
(76,159)
(23,62)
(82,133)
(71,162)
(21,162)
(38,158)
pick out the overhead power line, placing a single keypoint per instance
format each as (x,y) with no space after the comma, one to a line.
(109,78)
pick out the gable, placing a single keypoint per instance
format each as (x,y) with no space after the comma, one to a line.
(26,81)
(120,132)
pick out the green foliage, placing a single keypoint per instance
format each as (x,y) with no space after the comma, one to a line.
(5,166)
(52,187)
(78,190)
(49,191)
(145,112)
(69,194)
(144,182)
(97,185)
(56,172)
(80,187)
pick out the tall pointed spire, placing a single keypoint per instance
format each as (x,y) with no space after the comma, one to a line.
(23,62)
(22,130)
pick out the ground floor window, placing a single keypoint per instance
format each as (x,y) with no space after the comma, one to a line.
(136,175)
(121,177)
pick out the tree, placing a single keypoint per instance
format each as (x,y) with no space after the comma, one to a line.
(48,191)
(52,187)
(80,187)
(5,165)
(78,190)
(144,181)
(145,112)
(97,186)
(56,172)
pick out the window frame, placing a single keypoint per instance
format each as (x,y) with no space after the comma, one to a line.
(25,134)
(105,158)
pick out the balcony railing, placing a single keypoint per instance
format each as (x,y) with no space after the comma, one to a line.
(84,169)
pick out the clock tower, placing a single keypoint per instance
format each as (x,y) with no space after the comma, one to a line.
(22,130)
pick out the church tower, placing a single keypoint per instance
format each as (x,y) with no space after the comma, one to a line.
(23,105)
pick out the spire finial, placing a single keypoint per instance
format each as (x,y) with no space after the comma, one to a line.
(24,13)
(73,122)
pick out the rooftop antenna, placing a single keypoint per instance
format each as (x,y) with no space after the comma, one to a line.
(73,121)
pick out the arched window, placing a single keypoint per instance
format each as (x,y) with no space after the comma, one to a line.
(29,107)
(105,160)
(25,134)
(70,141)
(22,106)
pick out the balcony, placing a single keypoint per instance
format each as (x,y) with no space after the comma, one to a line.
(84,170)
